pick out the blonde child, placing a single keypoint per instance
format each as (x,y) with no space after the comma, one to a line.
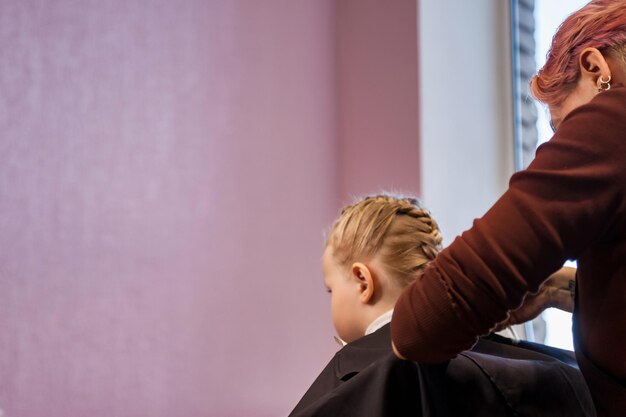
(376,248)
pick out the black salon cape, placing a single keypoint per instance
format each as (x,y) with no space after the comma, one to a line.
(495,378)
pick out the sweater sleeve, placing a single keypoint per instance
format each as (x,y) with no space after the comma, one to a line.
(565,201)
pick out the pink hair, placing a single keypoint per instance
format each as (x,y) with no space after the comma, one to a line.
(600,24)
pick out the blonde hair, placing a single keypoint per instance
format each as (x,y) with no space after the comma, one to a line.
(395,228)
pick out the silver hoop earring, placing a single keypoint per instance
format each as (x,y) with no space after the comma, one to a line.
(604,85)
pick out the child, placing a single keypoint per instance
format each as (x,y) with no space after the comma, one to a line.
(374,249)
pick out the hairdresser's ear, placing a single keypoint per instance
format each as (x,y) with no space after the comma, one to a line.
(363,276)
(593,65)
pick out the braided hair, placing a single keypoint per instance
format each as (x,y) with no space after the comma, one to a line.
(403,235)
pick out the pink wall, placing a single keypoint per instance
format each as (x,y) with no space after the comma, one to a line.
(167,171)
(378,96)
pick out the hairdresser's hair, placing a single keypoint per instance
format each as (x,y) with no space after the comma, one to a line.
(403,235)
(600,24)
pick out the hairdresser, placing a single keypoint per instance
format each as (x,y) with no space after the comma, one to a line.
(569,204)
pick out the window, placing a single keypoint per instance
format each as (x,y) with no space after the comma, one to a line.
(534,22)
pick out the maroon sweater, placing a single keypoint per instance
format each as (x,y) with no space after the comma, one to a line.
(569,204)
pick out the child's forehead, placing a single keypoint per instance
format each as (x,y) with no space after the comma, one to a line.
(330,265)
(327,260)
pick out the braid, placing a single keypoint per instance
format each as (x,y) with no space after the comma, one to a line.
(429,233)
(395,228)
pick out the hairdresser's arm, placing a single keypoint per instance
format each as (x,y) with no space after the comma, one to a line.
(557,291)
(526,236)
(395,351)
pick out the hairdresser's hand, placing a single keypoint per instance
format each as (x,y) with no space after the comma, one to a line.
(556,291)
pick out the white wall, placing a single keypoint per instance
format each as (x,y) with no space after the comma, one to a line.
(466,108)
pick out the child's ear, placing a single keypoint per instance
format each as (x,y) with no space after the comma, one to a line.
(362,274)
